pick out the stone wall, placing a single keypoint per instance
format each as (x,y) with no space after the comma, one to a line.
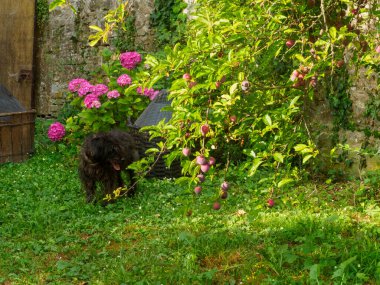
(63,52)
(363,91)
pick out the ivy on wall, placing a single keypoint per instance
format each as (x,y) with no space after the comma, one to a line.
(125,35)
(168,21)
(42,13)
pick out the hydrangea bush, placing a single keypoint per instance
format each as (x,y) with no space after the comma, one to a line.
(56,131)
(115,102)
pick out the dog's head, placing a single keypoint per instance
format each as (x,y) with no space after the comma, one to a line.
(103,150)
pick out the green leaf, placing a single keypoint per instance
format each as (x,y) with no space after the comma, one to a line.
(314,272)
(341,268)
(267,120)
(183,180)
(278,157)
(300,147)
(278,51)
(96,28)
(289,31)
(255,165)
(73,9)
(294,101)
(56,3)
(332,32)
(306,158)
(233,88)
(284,182)
(300,57)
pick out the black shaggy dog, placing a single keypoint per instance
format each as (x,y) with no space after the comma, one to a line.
(103,157)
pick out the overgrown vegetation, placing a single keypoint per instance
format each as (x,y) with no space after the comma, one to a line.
(238,83)
(42,13)
(314,234)
(168,21)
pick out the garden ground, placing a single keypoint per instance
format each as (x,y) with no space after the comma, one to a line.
(316,233)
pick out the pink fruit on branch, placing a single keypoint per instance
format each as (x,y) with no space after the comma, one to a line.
(201,177)
(211,160)
(294,75)
(201,160)
(225,186)
(205,168)
(205,129)
(224,195)
(187,77)
(290,43)
(245,85)
(186,151)
(216,206)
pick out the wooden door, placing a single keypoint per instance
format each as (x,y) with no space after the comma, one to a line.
(16,48)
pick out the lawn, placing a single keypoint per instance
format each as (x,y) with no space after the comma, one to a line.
(316,233)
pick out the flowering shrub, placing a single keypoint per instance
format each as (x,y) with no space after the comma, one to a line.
(129,60)
(240,83)
(124,80)
(148,92)
(116,103)
(56,131)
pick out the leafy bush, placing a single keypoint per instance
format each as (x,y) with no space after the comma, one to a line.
(240,83)
(115,104)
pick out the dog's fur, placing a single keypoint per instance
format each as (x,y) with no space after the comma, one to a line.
(102,159)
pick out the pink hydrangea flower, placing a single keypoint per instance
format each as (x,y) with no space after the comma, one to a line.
(84,89)
(99,90)
(113,94)
(76,83)
(56,131)
(124,79)
(377,49)
(149,92)
(92,101)
(130,59)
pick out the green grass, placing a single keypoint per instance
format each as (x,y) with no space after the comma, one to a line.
(315,234)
